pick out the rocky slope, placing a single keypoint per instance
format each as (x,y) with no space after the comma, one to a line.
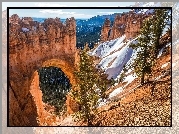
(147,105)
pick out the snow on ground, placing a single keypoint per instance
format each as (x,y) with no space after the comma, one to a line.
(115,92)
(102,102)
(129,71)
(161,50)
(119,44)
(113,63)
(165,65)
(115,56)
(117,66)
(128,79)
(105,48)
(25,29)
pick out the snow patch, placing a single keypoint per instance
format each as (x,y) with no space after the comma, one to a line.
(134,22)
(160,52)
(25,29)
(129,79)
(165,65)
(122,58)
(115,92)
(113,63)
(107,47)
(102,102)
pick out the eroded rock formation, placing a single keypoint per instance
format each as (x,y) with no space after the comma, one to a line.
(33,45)
(105,30)
(125,23)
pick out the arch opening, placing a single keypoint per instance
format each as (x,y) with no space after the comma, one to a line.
(54,85)
(47,112)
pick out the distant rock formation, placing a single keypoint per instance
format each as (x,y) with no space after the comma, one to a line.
(105,30)
(125,23)
(33,45)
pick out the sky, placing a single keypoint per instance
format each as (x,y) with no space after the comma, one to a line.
(65,13)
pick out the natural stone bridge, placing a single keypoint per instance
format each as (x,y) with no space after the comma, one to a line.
(33,45)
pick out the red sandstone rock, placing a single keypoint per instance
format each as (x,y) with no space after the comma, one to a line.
(126,23)
(105,30)
(47,44)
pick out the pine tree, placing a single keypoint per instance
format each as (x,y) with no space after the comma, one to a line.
(123,74)
(142,64)
(160,19)
(54,85)
(89,79)
(148,42)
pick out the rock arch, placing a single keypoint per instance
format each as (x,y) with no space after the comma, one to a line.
(30,50)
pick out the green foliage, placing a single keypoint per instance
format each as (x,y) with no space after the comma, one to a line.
(54,85)
(89,79)
(123,74)
(148,42)
(142,64)
(160,20)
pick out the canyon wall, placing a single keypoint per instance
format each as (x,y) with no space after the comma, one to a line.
(33,45)
(125,23)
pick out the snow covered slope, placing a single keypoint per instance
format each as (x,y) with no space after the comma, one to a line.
(114,55)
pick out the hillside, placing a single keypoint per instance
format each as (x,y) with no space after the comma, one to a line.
(138,105)
(129,103)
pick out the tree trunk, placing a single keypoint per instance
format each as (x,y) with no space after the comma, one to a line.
(90,123)
(142,78)
(157,45)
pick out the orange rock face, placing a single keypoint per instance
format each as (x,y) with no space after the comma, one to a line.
(33,45)
(105,30)
(126,23)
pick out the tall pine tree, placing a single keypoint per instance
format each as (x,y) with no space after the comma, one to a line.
(160,20)
(91,86)
(149,41)
(142,64)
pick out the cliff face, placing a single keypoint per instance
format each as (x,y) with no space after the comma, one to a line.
(105,30)
(126,23)
(25,31)
(33,45)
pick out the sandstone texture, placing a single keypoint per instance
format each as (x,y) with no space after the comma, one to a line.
(125,23)
(33,45)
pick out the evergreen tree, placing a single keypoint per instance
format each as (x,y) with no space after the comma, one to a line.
(91,86)
(143,63)
(123,74)
(148,43)
(54,85)
(160,20)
